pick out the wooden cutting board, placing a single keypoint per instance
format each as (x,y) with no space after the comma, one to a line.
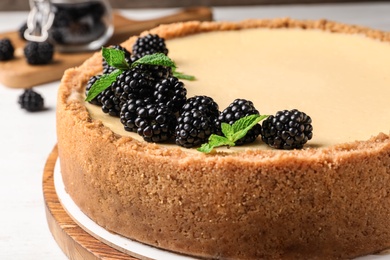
(17,73)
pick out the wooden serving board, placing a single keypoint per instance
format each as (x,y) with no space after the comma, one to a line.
(71,238)
(17,73)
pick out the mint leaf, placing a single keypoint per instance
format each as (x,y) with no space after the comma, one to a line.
(181,75)
(232,133)
(155,59)
(227,130)
(243,125)
(160,59)
(244,122)
(102,83)
(115,58)
(205,148)
(215,141)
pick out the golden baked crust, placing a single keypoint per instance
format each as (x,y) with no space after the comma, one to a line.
(314,203)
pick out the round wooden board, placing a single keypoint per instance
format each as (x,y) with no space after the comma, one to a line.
(76,243)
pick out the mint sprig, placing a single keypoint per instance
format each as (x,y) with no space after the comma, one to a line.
(116,58)
(232,133)
(181,75)
(102,83)
(159,59)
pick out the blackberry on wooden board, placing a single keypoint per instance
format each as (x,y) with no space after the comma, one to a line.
(288,129)
(6,49)
(38,53)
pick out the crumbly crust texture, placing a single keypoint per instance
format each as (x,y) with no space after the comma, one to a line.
(322,203)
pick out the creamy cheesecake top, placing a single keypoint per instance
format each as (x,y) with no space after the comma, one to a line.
(341,81)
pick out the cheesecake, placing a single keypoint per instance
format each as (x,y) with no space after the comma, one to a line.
(328,200)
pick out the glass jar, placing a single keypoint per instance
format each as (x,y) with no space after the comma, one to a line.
(71,25)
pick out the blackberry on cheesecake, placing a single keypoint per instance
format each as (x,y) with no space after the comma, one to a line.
(288,129)
(205,104)
(171,92)
(129,110)
(149,44)
(92,80)
(155,123)
(238,109)
(193,128)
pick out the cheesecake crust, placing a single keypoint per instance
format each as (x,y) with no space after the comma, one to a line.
(316,203)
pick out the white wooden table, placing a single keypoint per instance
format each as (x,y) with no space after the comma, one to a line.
(26,139)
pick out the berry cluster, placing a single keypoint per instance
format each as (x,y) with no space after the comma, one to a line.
(146,98)
(151,101)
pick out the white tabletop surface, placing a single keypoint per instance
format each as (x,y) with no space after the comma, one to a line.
(27,138)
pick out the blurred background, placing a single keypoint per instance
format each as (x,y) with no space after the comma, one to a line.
(16,5)
(27,139)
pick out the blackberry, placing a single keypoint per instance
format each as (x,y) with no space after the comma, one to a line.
(193,128)
(158,73)
(6,49)
(21,31)
(155,123)
(130,84)
(38,52)
(133,84)
(288,129)
(91,81)
(149,44)
(239,108)
(202,103)
(108,69)
(110,103)
(128,113)
(170,92)
(31,101)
